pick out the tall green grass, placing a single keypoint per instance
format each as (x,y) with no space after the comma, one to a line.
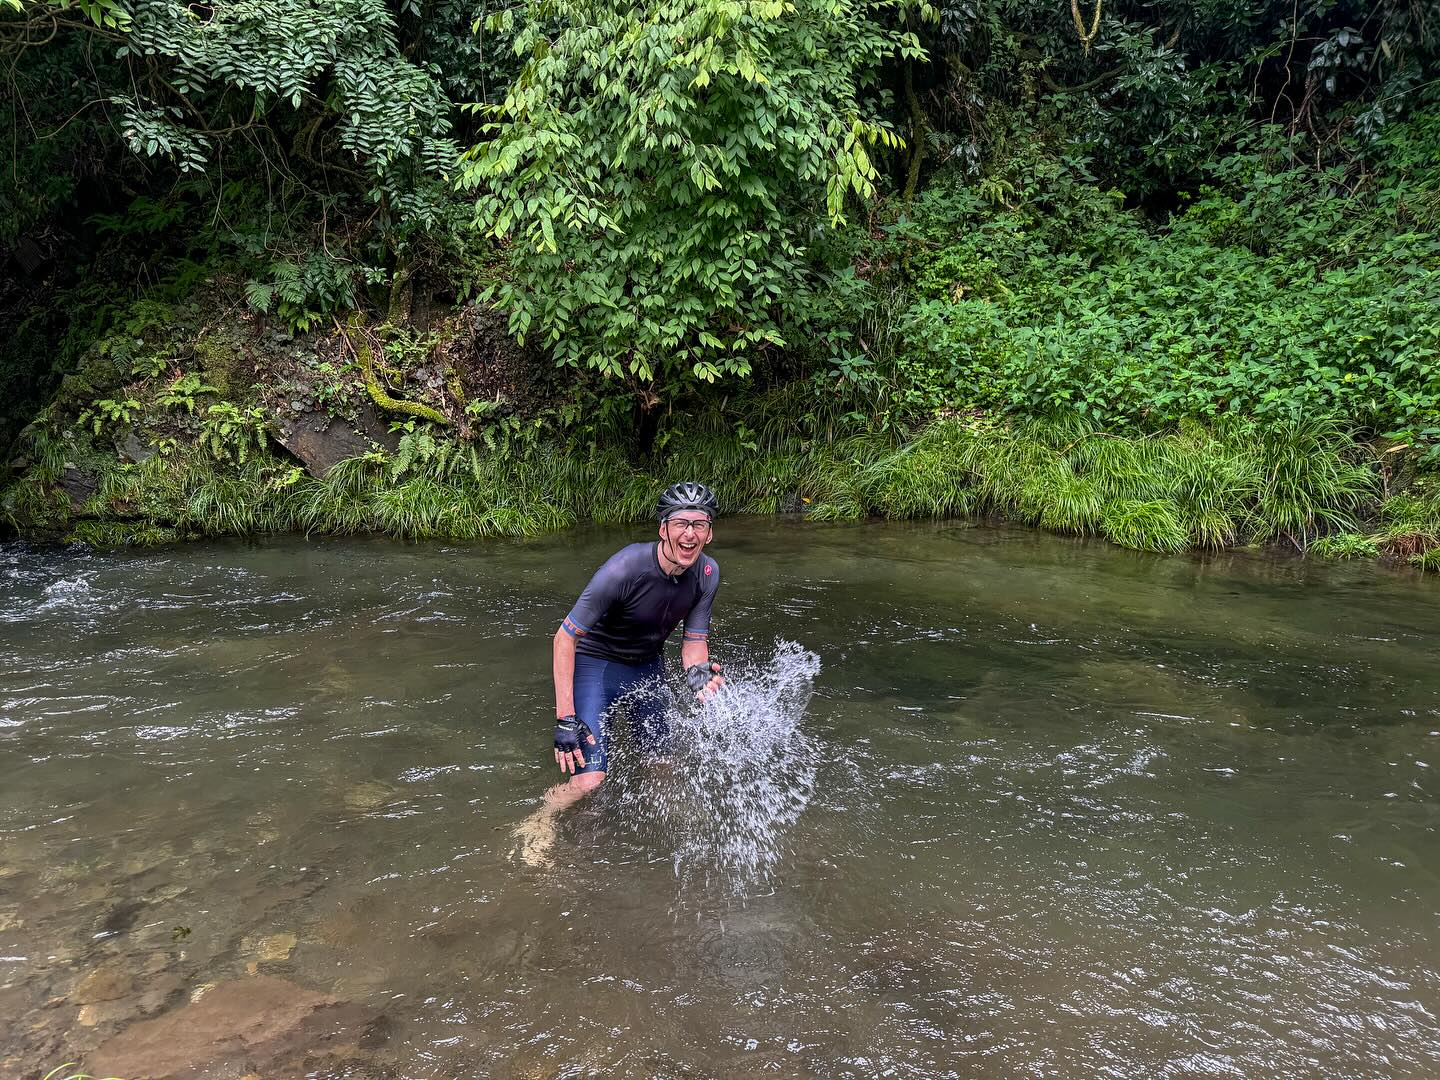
(1195,487)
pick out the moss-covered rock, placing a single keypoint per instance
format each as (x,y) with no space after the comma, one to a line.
(227,362)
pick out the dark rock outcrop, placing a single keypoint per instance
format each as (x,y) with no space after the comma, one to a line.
(78,485)
(320,440)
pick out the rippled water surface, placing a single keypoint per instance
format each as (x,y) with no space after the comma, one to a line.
(1053,810)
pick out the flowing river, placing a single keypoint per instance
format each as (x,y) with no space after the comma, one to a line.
(984,803)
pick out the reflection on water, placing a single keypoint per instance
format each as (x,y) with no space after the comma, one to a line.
(1054,809)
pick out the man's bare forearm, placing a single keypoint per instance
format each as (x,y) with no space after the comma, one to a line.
(563,665)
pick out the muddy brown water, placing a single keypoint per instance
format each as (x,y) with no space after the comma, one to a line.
(1073,811)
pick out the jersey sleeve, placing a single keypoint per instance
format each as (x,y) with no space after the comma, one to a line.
(697,621)
(603,590)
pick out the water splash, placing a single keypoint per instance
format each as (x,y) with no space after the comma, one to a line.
(70,594)
(741,773)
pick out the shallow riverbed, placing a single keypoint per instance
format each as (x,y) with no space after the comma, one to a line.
(1062,810)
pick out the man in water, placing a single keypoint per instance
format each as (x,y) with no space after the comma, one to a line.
(612,643)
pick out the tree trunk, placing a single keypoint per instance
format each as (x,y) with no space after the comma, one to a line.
(647,425)
(918,129)
(402,295)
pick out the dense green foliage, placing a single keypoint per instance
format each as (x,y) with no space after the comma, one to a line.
(1165,87)
(1160,271)
(1284,295)
(663,170)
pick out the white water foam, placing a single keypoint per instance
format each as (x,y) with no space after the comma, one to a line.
(69,593)
(741,773)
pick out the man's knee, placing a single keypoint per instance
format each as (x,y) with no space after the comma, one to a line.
(586,781)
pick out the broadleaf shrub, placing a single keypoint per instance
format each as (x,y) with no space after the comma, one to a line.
(1285,298)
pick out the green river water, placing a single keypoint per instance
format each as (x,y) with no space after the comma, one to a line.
(1054,809)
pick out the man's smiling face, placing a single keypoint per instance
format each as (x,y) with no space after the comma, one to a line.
(685,533)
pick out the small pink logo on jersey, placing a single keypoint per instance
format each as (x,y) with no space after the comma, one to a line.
(707,569)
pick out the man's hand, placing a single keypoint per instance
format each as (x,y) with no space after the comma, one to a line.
(568,753)
(704,681)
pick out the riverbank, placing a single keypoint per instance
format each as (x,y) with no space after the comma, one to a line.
(1307,486)
(1257,366)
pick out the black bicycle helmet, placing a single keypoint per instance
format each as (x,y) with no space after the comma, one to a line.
(687,495)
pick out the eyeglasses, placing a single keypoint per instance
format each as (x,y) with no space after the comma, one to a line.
(699,526)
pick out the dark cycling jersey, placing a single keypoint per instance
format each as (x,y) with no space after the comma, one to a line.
(631,605)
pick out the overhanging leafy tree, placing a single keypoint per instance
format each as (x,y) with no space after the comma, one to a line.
(660,173)
(322,102)
(1154,91)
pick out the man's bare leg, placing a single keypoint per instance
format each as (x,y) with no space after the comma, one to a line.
(536,834)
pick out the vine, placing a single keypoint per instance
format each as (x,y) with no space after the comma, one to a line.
(364,357)
(1086,37)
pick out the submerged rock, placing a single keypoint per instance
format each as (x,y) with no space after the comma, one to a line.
(165,893)
(264,1024)
(104,1012)
(160,991)
(15,1000)
(200,991)
(102,984)
(272,949)
(120,917)
(369,795)
(92,893)
(110,993)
